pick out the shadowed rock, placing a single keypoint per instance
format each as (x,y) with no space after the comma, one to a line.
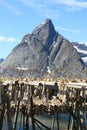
(42,49)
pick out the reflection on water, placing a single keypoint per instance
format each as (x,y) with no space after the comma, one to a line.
(46,119)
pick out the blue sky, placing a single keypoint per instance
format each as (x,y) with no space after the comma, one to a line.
(20,17)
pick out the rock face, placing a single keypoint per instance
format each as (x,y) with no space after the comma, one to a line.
(43,52)
(1,60)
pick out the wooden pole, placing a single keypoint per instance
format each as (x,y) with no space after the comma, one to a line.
(53,122)
(57,121)
(27,122)
(69,121)
(9,120)
(3,101)
(23,121)
(20,122)
(16,115)
(23,115)
(38,125)
(82,110)
(2,115)
(31,108)
(47,95)
(42,124)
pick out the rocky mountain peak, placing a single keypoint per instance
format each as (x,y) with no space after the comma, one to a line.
(47,24)
(43,52)
(45,33)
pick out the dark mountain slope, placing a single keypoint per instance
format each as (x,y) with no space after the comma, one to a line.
(1,60)
(44,48)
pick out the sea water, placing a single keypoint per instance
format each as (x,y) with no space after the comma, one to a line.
(46,119)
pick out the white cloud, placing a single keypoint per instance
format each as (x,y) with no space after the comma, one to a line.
(45,6)
(7,39)
(72,3)
(42,7)
(2,38)
(68,29)
(76,3)
(11,39)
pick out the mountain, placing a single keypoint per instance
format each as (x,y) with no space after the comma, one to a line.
(44,52)
(82,50)
(1,60)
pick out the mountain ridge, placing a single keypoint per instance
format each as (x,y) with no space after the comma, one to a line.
(42,49)
(1,60)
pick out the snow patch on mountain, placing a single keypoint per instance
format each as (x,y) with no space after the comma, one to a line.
(19,68)
(84,60)
(82,52)
(48,69)
(79,50)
